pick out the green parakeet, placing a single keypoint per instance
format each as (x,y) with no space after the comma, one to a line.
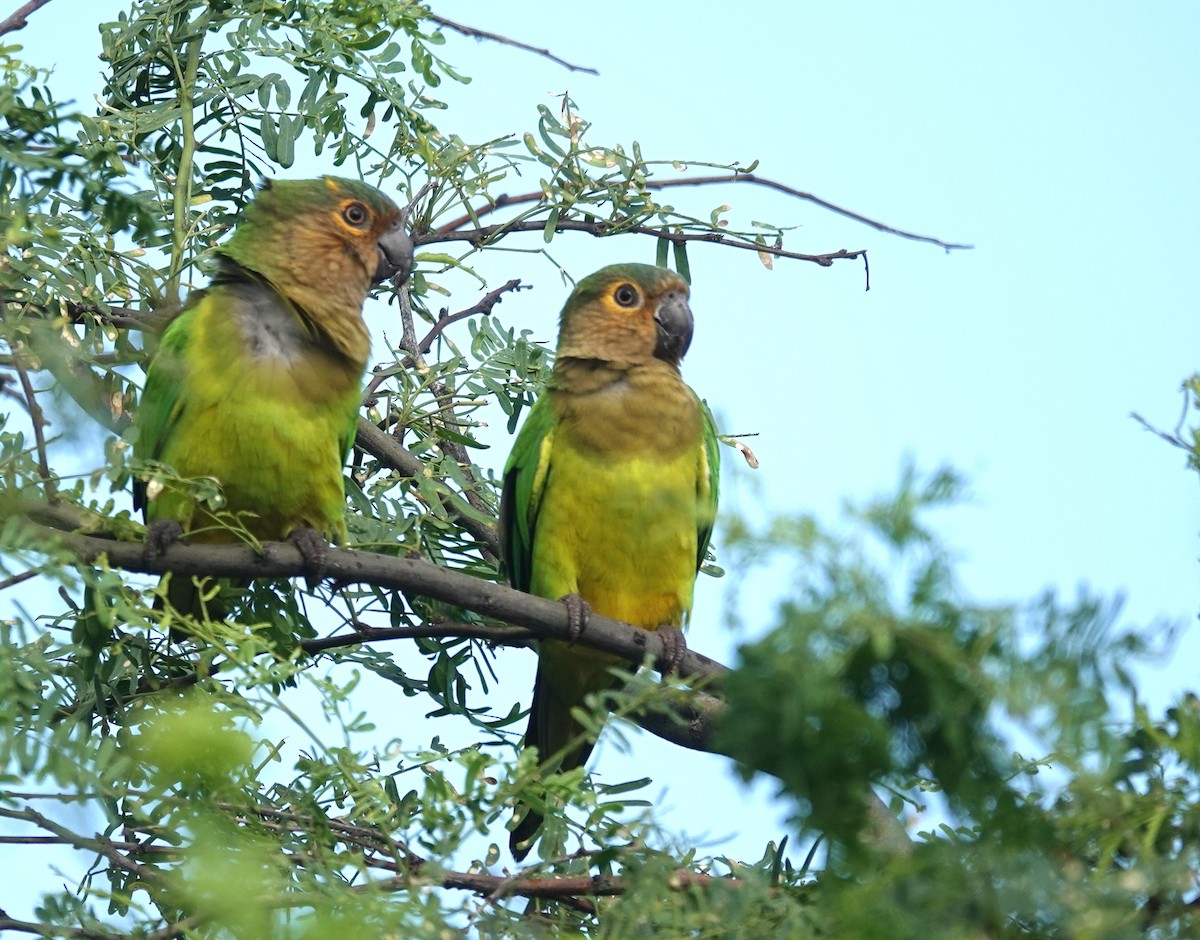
(257,382)
(611,490)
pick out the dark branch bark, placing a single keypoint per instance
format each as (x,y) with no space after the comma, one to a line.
(20,18)
(412,575)
(496,37)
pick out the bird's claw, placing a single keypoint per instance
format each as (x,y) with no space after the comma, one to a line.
(673,648)
(161,534)
(314,550)
(578,612)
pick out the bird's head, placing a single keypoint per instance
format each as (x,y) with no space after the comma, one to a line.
(627,313)
(321,231)
(322,244)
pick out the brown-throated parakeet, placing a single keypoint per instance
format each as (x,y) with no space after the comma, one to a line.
(257,382)
(610,492)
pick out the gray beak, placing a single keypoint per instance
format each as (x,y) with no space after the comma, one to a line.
(395,255)
(673,319)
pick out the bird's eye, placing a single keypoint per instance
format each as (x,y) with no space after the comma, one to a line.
(626,295)
(356,214)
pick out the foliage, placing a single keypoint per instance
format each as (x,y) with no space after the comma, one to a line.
(243,782)
(879,671)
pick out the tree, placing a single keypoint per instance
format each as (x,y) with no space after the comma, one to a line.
(173,764)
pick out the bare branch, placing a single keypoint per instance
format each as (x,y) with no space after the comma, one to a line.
(506,886)
(504,201)
(18,579)
(495,37)
(48,930)
(379,850)
(100,845)
(600,229)
(504,636)
(807,197)
(19,19)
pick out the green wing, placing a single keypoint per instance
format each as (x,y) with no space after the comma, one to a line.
(708,483)
(524,482)
(162,399)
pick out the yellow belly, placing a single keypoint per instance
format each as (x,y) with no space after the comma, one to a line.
(620,534)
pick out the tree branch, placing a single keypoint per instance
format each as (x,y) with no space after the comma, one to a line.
(379,850)
(545,618)
(559,888)
(485,305)
(504,636)
(503,201)
(385,448)
(445,394)
(601,229)
(495,37)
(412,575)
(807,197)
(39,421)
(20,19)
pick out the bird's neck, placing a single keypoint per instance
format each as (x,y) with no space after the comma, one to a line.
(624,409)
(327,318)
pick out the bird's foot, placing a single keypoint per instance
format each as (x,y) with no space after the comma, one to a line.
(673,648)
(578,612)
(315,552)
(161,534)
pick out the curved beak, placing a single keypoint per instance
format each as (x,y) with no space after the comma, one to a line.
(673,322)
(395,255)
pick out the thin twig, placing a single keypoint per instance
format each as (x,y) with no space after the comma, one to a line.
(444,393)
(20,19)
(47,930)
(99,844)
(19,578)
(807,197)
(37,418)
(496,37)
(485,305)
(504,636)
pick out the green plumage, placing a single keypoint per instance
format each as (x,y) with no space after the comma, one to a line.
(257,382)
(610,492)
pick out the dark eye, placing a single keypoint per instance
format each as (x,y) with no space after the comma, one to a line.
(355,213)
(626,295)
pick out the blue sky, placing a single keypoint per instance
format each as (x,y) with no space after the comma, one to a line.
(1060,139)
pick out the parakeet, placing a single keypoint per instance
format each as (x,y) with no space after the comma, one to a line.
(610,493)
(257,382)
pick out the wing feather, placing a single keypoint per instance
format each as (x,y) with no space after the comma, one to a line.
(710,472)
(525,477)
(162,398)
